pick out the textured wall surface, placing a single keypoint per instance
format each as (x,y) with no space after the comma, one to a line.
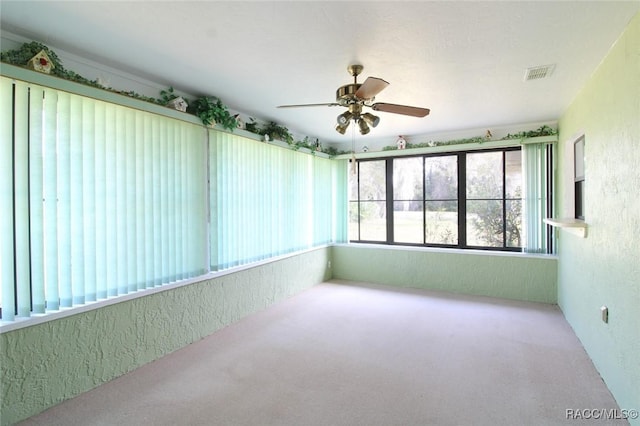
(509,276)
(45,364)
(604,268)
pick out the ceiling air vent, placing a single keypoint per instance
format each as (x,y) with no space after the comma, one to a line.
(536,73)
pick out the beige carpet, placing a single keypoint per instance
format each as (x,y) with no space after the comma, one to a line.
(357,354)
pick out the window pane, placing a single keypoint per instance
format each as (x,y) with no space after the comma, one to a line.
(367,216)
(373,221)
(441,178)
(513,170)
(407,179)
(484,175)
(372,180)
(441,224)
(484,223)
(407,221)
(353,221)
(353,184)
(515,236)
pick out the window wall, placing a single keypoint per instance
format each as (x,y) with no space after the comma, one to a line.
(460,199)
(100,200)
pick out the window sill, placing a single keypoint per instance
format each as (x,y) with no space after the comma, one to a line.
(574,226)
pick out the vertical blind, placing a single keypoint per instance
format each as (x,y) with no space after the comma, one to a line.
(267,201)
(99,200)
(535,197)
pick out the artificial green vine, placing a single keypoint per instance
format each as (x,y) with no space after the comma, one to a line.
(167,96)
(210,110)
(541,131)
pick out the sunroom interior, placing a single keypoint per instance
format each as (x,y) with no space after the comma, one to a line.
(131,230)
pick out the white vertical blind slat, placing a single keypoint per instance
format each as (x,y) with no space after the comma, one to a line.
(100,199)
(50,184)
(21,199)
(139,171)
(131,142)
(88,218)
(76,204)
(111,202)
(63,201)
(120,202)
(156,207)
(148,204)
(7,269)
(36,195)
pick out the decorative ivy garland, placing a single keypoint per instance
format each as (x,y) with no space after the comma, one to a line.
(541,131)
(206,108)
(211,110)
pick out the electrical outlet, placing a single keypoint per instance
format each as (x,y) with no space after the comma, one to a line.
(605,314)
(329,265)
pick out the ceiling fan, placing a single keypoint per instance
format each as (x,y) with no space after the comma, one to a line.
(355,96)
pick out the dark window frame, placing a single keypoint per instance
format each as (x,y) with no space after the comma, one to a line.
(578,177)
(461,200)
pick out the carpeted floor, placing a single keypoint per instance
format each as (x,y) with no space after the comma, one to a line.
(357,354)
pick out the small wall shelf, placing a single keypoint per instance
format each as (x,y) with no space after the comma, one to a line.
(575,226)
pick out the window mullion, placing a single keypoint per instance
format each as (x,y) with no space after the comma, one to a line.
(504,199)
(389,203)
(462,200)
(357,166)
(424,202)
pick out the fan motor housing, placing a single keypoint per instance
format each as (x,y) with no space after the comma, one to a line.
(347,92)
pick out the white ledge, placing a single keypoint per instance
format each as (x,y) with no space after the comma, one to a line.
(574,226)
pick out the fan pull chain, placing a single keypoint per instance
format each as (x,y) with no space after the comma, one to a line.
(354,169)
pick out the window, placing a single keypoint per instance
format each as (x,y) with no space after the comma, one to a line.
(578,156)
(494,199)
(465,200)
(441,200)
(101,200)
(367,202)
(408,200)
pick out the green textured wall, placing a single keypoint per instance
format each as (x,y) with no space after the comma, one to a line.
(604,268)
(45,364)
(509,276)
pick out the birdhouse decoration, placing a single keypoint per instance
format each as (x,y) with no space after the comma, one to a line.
(401,143)
(41,63)
(178,104)
(239,121)
(489,135)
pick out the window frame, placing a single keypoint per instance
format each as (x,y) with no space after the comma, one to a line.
(462,200)
(579,177)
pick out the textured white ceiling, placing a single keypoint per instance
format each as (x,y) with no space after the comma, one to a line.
(463,60)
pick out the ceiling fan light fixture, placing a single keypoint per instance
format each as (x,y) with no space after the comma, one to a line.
(342,128)
(344,118)
(370,119)
(355,96)
(364,128)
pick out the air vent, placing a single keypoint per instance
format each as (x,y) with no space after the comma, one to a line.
(536,73)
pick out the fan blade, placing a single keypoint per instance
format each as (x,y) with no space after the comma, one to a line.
(370,88)
(401,109)
(308,105)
